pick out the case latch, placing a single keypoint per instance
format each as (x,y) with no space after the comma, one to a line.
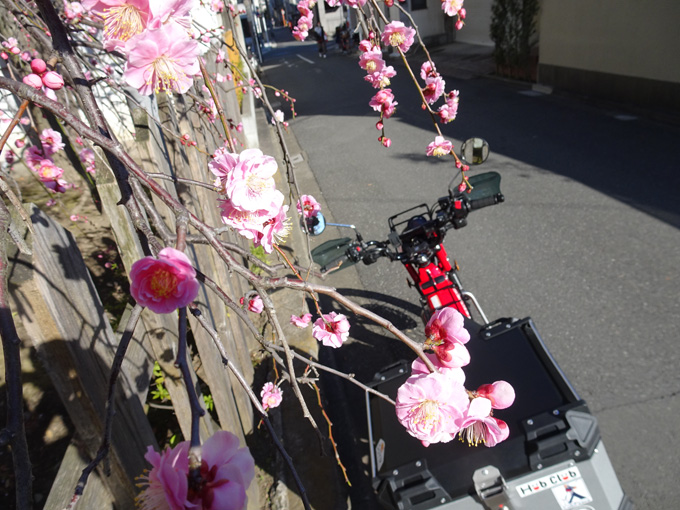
(491,489)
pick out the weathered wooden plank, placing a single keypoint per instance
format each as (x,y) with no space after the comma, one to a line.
(97,496)
(231,401)
(159,333)
(56,299)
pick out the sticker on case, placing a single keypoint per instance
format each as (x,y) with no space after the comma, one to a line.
(574,494)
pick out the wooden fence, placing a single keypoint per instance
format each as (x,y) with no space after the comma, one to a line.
(59,306)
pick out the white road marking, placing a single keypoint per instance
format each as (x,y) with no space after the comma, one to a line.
(305,59)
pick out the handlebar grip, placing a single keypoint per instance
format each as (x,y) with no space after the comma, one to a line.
(485,202)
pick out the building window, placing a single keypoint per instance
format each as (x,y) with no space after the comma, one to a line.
(417,5)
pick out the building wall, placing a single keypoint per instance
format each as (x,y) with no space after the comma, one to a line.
(477,23)
(430,21)
(624,49)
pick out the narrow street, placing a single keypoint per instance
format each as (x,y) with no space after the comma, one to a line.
(587,242)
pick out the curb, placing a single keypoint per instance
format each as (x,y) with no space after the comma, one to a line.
(318,473)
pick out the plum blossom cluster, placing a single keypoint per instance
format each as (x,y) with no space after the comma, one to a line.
(40,161)
(251,204)
(455,8)
(378,74)
(41,78)
(225,474)
(331,329)
(434,89)
(435,407)
(306,21)
(271,395)
(154,36)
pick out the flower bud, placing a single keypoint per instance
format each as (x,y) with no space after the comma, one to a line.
(379,125)
(19,144)
(33,80)
(386,141)
(38,66)
(53,80)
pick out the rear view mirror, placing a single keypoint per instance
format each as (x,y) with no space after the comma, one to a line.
(315,224)
(474,151)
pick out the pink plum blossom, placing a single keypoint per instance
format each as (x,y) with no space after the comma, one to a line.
(383,101)
(38,66)
(447,324)
(58,185)
(428,70)
(372,60)
(305,23)
(440,147)
(226,472)
(434,88)
(165,283)
(161,60)
(170,11)
(454,371)
(51,141)
(398,35)
(255,304)
(451,7)
(33,156)
(88,158)
(33,80)
(431,407)
(73,10)
(249,224)
(302,321)
(447,112)
(274,231)
(365,45)
(501,394)
(47,171)
(331,329)
(222,163)
(250,185)
(381,79)
(52,80)
(300,35)
(308,206)
(478,426)
(217,5)
(272,396)
(123,19)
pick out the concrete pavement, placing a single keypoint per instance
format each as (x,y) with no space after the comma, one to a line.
(587,242)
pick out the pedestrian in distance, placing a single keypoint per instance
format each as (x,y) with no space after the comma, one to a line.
(320,36)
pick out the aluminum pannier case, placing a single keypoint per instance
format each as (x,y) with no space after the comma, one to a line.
(554,458)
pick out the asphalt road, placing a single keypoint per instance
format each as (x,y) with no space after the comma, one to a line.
(587,242)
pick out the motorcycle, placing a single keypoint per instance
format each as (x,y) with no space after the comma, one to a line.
(416,238)
(554,453)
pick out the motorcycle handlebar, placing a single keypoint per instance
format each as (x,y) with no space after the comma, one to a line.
(473,205)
